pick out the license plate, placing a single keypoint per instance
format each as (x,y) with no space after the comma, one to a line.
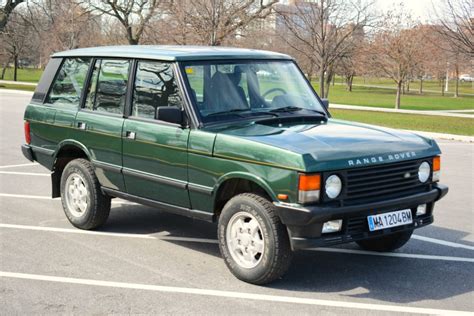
(391,219)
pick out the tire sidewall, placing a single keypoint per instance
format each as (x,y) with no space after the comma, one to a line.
(242,204)
(75,167)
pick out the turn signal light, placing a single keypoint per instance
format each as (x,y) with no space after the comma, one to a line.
(436,168)
(27,132)
(309,186)
(437,163)
(309,182)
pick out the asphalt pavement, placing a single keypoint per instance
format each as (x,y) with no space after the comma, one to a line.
(144,261)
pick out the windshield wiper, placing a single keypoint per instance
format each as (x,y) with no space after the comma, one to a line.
(292,108)
(234,112)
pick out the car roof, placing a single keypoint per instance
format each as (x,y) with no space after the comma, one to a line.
(172,53)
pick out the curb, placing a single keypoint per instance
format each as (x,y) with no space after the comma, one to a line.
(24,83)
(460,138)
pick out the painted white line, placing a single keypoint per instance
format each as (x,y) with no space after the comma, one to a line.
(214,241)
(21,196)
(39,197)
(393,254)
(442,242)
(26,173)
(21,165)
(110,234)
(232,294)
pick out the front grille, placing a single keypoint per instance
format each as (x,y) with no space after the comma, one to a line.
(382,182)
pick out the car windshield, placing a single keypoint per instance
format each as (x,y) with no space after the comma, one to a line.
(232,90)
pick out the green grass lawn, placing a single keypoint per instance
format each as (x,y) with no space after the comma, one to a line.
(385,98)
(432,85)
(437,124)
(24,74)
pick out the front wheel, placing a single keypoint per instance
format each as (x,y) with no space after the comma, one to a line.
(386,243)
(252,240)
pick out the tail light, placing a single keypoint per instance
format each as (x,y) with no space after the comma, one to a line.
(27,132)
(309,187)
(436,168)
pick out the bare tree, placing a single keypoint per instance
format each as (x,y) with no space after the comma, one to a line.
(396,50)
(324,31)
(215,21)
(7,10)
(456,21)
(16,40)
(457,30)
(133,15)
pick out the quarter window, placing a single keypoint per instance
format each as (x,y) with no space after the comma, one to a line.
(155,86)
(108,86)
(67,87)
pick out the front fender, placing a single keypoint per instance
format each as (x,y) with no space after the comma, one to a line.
(247,176)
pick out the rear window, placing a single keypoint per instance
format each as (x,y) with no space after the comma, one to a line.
(67,87)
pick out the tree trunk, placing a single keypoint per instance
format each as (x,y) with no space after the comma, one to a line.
(15,67)
(456,92)
(408,86)
(403,87)
(421,86)
(399,92)
(351,79)
(333,79)
(442,87)
(5,66)
(321,83)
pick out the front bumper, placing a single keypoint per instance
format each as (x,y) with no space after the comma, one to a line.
(305,223)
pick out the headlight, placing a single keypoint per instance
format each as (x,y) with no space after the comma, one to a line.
(333,186)
(424,171)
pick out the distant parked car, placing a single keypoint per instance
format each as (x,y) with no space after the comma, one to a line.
(466,78)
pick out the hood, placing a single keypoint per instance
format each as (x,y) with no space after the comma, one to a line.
(331,145)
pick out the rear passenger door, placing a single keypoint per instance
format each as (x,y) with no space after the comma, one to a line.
(155,152)
(99,123)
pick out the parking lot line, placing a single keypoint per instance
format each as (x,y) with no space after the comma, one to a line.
(26,173)
(214,241)
(20,165)
(232,294)
(442,242)
(22,196)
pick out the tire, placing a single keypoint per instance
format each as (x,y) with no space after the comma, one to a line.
(84,204)
(264,252)
(386,243)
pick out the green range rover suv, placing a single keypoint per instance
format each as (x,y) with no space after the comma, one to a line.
(235,136)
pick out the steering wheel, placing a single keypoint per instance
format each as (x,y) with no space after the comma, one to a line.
(283,91)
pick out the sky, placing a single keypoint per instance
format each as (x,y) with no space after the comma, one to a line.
(422,9)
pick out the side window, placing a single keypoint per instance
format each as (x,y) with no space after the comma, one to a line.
(108,86)
(67,86)
(155,86)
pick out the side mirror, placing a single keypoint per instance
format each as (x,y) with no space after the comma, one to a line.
(325,103)
(170,114)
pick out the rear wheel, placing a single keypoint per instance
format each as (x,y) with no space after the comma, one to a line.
(253,241)
(84,204)
(386,243)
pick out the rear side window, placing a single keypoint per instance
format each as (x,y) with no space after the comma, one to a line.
(108,86)
(67,87)
(155,86)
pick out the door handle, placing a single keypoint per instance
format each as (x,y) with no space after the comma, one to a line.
(130,135)
(81,125)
